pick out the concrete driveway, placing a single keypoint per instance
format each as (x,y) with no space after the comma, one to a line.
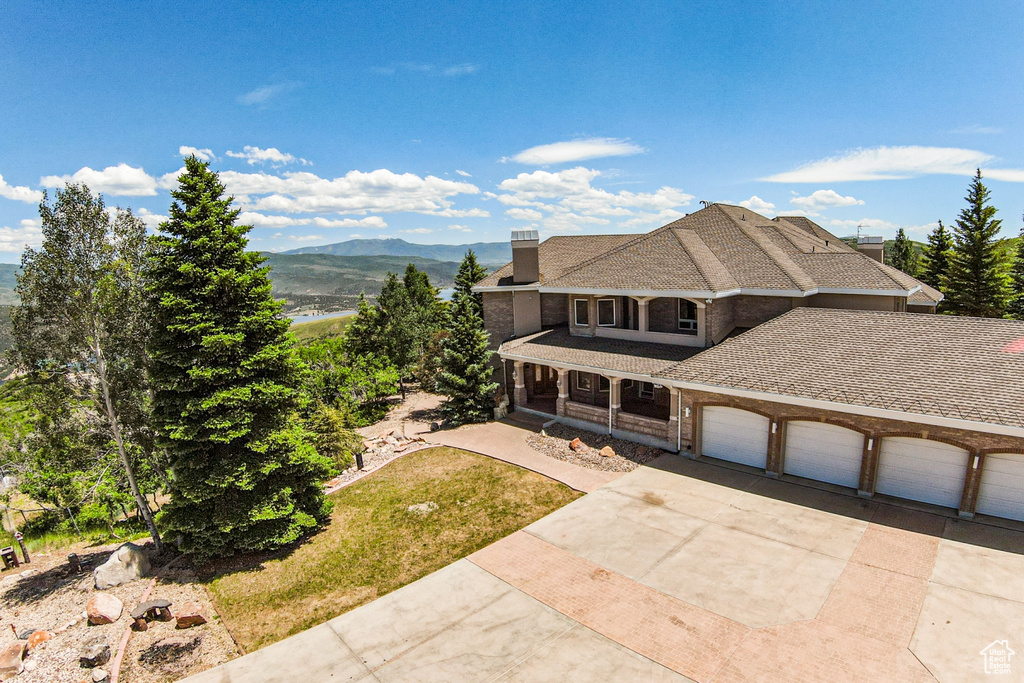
(691,571)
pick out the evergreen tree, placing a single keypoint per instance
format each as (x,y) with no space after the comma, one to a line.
(935,266)
(977,283)
(246,475)
(904,256)
(1016,306)
(466,372)
(398,333)
(470,272)
(361,336)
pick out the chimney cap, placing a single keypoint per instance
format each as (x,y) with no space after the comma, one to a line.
(524,235)
(870,240)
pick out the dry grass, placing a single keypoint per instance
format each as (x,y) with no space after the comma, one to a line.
(374,544)
(315,330)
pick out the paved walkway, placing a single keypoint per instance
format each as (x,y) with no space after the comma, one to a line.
(506,440)
(687,571)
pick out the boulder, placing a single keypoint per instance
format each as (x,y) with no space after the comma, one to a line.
(38,638)
(94,652)
(191,614)
(576,444)
(127,563)
(104,608)
(11,659)
(607,452)
(99,674)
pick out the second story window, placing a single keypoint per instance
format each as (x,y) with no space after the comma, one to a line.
(606,312)
(581,312)
(687,316)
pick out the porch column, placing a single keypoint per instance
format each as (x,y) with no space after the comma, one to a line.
(673,418)
(520,377)
(644,318)
(614,401)
(563,392)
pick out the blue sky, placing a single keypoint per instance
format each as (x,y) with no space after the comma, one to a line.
(458,121)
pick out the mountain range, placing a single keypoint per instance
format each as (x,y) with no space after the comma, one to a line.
(487,253)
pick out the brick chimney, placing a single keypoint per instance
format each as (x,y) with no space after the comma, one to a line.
(525,257)
(873,247)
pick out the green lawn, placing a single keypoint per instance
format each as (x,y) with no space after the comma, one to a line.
(320,329)
(374,544)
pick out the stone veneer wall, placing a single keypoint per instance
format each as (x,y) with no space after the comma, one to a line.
(589,413)
(646,425)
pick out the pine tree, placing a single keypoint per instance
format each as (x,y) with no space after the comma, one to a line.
(977,283)
(466,371)
(361,336)
(246,475)
(904,256)
(935,266)
(1015,309)
(470,272)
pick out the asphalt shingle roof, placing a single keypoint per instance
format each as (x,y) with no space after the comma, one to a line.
(615,355)
(559,254)
(949,366)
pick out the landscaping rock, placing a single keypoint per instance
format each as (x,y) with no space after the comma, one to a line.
(191,614)
(99,675)
(127,563)
(28,573)
(104,608)
(576,444)
(607,452)
(11,659)
(422,508)
(38,638)
(30,665)
(94,652)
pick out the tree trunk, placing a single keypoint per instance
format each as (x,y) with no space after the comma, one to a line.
(115,428)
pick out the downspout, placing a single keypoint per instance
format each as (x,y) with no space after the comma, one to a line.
(679,421)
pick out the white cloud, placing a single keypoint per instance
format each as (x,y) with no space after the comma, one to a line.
(265,93)
(567,201)
(461,70)
(460,228)
(14,240)
(305,238)
(357,192)
(19,193)
(255,155)
(463,173)
(417,231)
(976,129)
(576,150)
(1008,175)
(203,154)
(891,163)
(120,181)
(524,214)
(755,203)
(259,220)
(824,199)
(152,220)
(878,226)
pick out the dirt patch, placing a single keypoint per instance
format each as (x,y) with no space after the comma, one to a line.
(554,442)
(419,408)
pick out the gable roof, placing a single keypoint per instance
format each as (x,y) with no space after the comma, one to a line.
(721,249)
(946,366)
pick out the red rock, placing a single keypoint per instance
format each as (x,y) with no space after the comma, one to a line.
(11,657)
(607,452)
(191,614)
(104,608)
(576,444)
(38,638)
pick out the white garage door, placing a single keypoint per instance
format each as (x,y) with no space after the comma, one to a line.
(919,469)
(1002,486)
(824,452)
(735,435)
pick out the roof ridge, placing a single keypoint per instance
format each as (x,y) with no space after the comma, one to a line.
(794,272)
(714,283)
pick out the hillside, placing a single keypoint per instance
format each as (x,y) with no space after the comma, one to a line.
(487,253)
(329,282)
(7,283)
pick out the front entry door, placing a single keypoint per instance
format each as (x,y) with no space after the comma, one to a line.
(545,381)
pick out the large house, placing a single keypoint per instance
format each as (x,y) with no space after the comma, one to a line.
(770,343)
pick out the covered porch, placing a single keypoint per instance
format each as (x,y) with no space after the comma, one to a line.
(602,385)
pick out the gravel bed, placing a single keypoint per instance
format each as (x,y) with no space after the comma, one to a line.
(372,460)
(54,597)
(554,442)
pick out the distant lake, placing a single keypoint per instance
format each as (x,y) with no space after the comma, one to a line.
(445,294)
